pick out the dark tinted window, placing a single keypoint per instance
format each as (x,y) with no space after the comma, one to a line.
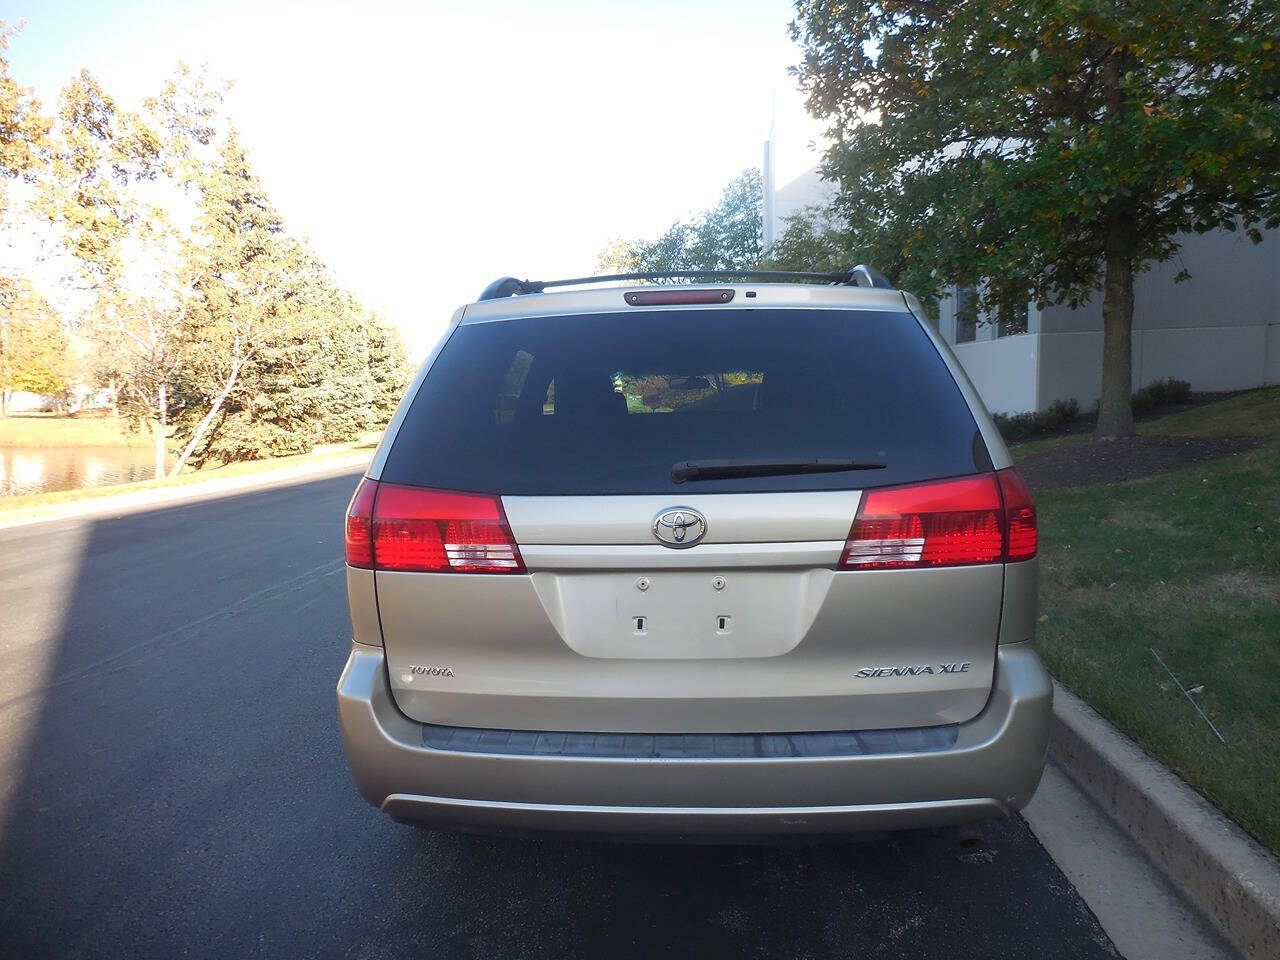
(606,404)
(966,315)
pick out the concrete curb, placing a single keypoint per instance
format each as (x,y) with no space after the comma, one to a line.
(1221,869)
(155,496)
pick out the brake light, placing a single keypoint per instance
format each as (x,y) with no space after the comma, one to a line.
(437,531)
(986,518)
(359,536)
(1020,516)
(653,298)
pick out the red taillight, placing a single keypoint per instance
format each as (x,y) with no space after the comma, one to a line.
(359,536)
(946,523)
(437,531)
(941,524)
(1020,516)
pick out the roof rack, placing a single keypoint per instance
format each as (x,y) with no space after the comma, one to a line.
(860,276)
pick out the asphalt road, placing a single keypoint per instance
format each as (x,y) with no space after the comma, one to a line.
(172,784)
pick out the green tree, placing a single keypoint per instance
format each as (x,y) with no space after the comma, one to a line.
(278,354)
(619,255)
(186,112)
(23,129)
(140,351)
(811,240)
(33,344)
(276,410)
(93,157)
(729,236)
(345,395)
(224,330)
(136,264)
(1046,148)
(388,368)
(241,258)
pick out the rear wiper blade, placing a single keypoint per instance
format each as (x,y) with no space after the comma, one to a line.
(727,469)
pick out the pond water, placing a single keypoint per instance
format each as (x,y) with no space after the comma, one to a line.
(41,469)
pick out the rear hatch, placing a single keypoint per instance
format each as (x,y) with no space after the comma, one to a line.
(641,522)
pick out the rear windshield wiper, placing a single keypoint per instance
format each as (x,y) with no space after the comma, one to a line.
(727,469)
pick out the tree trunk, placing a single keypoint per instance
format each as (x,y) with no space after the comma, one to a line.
(1115,407)
(207,419)
(162,412)
(4,403)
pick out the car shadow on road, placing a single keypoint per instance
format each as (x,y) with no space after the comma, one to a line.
(173,785)
(988,891)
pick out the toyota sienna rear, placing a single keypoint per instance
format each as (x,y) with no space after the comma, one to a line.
(693,560)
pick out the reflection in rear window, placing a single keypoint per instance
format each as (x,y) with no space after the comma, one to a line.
(649,392)
(607,404)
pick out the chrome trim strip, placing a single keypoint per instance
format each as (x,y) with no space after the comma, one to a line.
(657,557)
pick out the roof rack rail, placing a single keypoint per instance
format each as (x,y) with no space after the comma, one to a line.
(865,276)
(860,276)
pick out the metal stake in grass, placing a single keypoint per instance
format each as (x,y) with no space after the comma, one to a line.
(1187,695)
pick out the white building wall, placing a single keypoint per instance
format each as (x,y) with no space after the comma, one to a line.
(24,401)
(806,190)
(1220,330)
(1003,371)
(1070,368)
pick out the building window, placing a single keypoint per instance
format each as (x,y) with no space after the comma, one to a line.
(966,315)
(1014,322)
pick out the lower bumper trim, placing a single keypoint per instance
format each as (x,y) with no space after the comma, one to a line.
(991,768)
(691,746)
(692,821)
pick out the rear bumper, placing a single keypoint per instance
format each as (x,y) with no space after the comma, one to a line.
(992,769)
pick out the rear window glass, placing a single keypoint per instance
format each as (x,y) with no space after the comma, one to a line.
(608,403)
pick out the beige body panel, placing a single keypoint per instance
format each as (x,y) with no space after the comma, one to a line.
(992,768)
(556,650)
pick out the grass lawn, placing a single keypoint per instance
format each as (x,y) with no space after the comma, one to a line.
(1188,563)
(1028,447)
(53,430)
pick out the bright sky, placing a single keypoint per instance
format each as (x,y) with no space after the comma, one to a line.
(427,149)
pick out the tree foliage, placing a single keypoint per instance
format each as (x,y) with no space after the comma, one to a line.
(94,155)
(812,240)
(1047,147)
(139,266)
(729,236)
(208,320)
(33,344)
(23,127)
(284,352)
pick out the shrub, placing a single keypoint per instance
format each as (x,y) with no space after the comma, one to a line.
(1019,426)
(1160,393)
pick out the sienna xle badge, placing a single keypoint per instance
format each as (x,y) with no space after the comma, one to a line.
(779,578)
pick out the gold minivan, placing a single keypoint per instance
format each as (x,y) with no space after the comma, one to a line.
(693,560)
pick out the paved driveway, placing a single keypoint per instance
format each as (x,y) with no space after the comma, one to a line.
(172,784)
